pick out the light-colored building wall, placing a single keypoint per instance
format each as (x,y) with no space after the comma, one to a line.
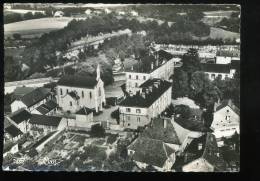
(213,75)
(16,105)
(89,98)
(223,60)
(225,122)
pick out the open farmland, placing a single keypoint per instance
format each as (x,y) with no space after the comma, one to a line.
(218,33)
(36,27)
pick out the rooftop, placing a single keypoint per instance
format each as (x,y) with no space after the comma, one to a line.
(35,96)
(149,63)
(156,130)
(217,68)
(150,151)
(78,81)
(229,103)
(21,91)
(13,131)
(74,95)
(47,107)
(138,100)
(45,120)
(84,111)
(20,116)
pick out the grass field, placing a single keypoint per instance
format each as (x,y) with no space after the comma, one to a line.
(217,33)
(36,26)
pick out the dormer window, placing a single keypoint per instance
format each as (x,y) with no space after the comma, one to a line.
(200,146)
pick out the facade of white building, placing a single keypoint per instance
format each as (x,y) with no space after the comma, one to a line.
(226,120)
(137,110)
(75,92)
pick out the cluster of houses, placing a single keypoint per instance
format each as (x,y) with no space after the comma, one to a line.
(163,142)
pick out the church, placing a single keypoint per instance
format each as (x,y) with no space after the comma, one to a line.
(75,92)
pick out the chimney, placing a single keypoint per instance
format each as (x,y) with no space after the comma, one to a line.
(152,66)
(164,123)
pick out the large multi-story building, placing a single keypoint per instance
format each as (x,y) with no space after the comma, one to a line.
(153,97)
(160,65)
(75,92)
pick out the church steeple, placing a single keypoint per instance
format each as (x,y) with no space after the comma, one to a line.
(98,72)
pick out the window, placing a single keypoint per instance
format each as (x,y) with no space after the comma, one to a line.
(67,91)
(129,76)
(144,77)
(128,110)
(138,110)
(136,84)
(61,92)
(227,110)
(90,95)
(82,94)
(228,118)
(138,119)
(212,76)
(70,103)
(128,124)
(128,118)
(136,77)
(99,92)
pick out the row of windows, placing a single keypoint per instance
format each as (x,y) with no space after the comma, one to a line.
(137,110)
(136,77)
(82,93)
(129,118)
(213,76)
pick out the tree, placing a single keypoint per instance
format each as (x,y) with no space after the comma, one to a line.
(195,15)
(97,131)
(183,110)
(17,36)
(28,16)
(199,81)
(191,62)
(180,86)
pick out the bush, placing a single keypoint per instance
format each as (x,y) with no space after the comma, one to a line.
(97,131)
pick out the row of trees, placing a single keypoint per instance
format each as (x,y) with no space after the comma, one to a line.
(190,81)
(15,17)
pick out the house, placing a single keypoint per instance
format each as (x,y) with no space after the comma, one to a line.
(159,64)
(107,11)
(21,91)
(46,124)
(48,108)
(226,119)
(12,149)
(75,92)
(58,14)
(31,100)
(203,155)
(134,13)
(162,129)
(88,11)
(84,118)
(121,13)
(20,119)
(217,70)
(11,132)
(153,97)
(146,151)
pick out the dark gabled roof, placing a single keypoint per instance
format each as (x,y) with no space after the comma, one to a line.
(78,81)
(216,68)
(6,123)
(21,91)
(150,151)
(74,95)
(13,131)
(20,116)
(35,96)
(144,65)
(191,124)
(47,107)
(45,120)
(229,103)
(84,111)
(156,130)
(138,101)
(235,64)
(208,151)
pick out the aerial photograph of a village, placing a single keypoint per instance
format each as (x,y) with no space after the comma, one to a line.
(121,87)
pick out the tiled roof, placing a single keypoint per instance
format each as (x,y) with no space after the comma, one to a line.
(84,111)
(13,131)
(144,64)
(138,101)
(235,64)
(150,151)
(35,96)
(45,120)
(78,81)
(6,123)
(20,116)
(229,103)
(216,68)
(21,91)
(47,107)
(156,130)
